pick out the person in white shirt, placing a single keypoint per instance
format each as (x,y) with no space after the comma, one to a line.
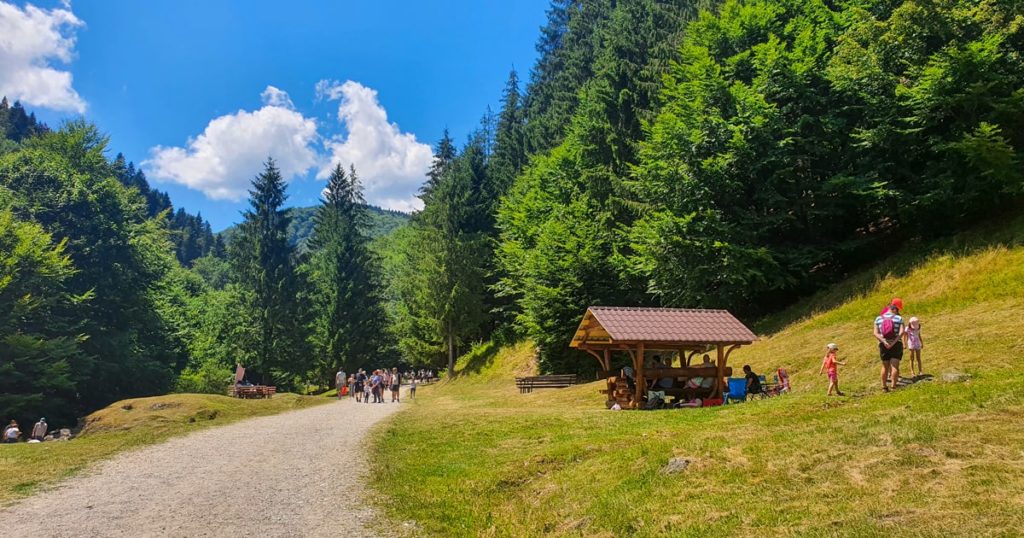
(39,430)
(12,433)
(340,381)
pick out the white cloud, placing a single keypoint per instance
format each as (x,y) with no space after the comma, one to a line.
(222,161)
(273,96)
(31,41)
(390,163)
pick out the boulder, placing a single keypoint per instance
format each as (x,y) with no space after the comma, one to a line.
(955,377)
(675,466)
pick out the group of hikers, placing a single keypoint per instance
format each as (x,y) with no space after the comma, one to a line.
(895,337)
(12,433)
(366,387)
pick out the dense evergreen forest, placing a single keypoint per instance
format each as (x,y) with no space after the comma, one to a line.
(695,153)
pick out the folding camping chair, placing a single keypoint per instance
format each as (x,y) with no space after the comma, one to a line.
(737,390)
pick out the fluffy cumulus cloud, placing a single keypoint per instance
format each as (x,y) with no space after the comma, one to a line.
(223,159)
(32,42)
(390,163)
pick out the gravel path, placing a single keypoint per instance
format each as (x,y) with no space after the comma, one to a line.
(295,474)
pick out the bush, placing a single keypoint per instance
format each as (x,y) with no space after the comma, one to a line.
(210,378)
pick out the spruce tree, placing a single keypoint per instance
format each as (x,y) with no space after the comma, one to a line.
(263,263)
(509,142)
(444,154)
(348,327)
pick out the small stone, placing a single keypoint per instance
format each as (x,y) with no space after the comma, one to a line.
(675,465)
(955,377)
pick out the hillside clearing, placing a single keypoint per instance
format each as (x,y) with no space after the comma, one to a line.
(474,457)
(126,425)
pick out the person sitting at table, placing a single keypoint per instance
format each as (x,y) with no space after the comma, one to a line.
(630,377)
(707,362)
(753,381)
(662,382)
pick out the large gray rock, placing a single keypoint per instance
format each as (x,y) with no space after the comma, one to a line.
(955,377)
(675,466)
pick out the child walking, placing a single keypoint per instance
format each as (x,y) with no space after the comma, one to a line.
(914,345)
(831,365)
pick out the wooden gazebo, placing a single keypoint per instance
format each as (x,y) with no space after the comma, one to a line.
(637,331)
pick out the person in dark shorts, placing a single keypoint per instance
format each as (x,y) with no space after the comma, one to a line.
(396,383)
(889,331)
(753,381)
(360,382)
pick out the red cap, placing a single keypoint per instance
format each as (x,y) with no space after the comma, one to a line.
(897,302)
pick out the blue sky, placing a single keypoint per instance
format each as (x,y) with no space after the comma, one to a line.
(199,91)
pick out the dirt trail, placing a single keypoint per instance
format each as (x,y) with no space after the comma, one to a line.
(295,474)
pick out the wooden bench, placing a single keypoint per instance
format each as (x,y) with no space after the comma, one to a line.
(527,384)
(252,391)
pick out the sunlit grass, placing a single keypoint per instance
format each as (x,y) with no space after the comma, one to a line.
(124,425)
(474,457)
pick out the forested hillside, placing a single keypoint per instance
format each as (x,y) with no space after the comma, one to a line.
(381,223)
(695,153)
(738,154)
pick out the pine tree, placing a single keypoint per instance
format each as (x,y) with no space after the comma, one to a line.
(509,141)
(263,263)
(444,154)
(348,328)
(454,269)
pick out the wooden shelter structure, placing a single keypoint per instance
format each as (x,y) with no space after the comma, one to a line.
(637,331)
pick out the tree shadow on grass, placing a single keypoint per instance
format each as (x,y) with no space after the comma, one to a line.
(480,357)
(1006,229)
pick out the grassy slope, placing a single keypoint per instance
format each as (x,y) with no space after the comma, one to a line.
(474,457)
(124,425)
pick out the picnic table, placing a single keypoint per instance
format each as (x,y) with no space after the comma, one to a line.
(252,391)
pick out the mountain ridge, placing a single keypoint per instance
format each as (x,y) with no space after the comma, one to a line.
(382,222)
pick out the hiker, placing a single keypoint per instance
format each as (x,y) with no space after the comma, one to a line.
(39,430)
(913,342)
(375,385)
(831,365)
(340,381)
(360,384)
(889,331)
(753,381)
(412,388)
(11,432)
(396,384)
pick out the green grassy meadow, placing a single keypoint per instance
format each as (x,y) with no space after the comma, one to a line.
(473,457)
(125,425)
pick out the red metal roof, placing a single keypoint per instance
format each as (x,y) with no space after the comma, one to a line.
(676,325)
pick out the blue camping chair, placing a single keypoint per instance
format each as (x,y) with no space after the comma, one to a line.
(737,389)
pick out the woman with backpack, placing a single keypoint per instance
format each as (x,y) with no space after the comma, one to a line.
(889,330)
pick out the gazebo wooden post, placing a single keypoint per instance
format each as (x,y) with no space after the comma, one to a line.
(641,381)
(717,392)
(609,384)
